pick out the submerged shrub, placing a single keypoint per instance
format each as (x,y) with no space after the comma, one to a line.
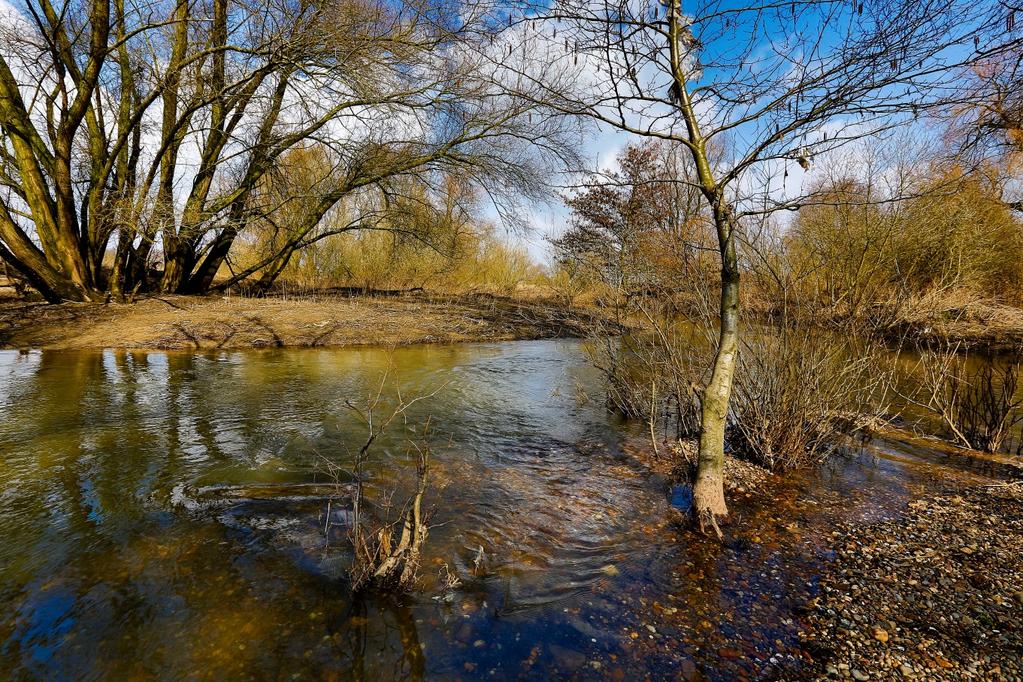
(976,398)
(388,548)
(651,375)
(798,393)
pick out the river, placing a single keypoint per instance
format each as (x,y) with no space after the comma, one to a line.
(164,515)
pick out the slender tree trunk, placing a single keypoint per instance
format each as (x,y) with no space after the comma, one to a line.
(175,245)
(709,490)
(119,272)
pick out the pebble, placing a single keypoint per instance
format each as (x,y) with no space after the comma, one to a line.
(938,611)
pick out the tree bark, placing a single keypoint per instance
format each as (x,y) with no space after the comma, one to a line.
(709,490)
(176,249)
(202,279)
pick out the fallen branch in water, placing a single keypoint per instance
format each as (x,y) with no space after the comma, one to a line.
(387,556)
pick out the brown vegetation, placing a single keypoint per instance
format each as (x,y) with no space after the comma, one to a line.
(644,246)
(976,399)
(944,264)
(800,393)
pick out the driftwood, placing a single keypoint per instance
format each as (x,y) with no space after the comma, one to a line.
(379,561)
(387,557)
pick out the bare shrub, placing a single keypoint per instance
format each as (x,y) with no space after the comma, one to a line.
(975,398)
(950,244)
(798,393)
(651,374)
(448,578)
(388,550)
(383,557)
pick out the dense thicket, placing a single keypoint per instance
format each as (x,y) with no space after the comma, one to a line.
(955,234)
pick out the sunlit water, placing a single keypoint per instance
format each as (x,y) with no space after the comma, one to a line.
(163,515)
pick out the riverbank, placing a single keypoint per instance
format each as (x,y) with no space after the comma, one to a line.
(324,320)
(966,324)
(934,594)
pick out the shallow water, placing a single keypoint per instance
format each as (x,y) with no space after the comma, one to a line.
(164,514)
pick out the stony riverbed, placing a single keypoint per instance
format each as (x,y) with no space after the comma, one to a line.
(936,594)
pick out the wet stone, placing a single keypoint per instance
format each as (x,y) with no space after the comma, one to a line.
(566,659)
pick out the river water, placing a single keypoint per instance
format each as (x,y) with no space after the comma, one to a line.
(164,515)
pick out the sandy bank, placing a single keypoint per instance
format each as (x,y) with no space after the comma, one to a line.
(181,322)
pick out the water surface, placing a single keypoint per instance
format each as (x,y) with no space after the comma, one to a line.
(163,515)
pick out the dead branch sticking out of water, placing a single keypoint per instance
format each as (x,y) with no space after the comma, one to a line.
(387,556)
(379,560)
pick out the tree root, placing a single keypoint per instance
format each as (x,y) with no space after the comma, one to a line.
(706,518)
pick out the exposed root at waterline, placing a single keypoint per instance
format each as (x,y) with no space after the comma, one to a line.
(708,518)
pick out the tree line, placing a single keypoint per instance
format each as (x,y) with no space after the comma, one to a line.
(163,131)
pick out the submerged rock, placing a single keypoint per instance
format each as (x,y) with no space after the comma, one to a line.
(567,660)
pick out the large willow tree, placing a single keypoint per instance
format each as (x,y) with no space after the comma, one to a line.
(139,137)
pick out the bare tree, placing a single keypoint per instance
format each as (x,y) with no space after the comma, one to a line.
(155,126)
(990,120)
(751,91)
(634,224)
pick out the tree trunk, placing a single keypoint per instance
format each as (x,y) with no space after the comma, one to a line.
(272,271)
(120,270)
(29,260)
(178,259)
(176,249)
(202,279)
(709,490)
(12,262)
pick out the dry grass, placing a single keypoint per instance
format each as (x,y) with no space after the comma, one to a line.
(179,322)
(957,317)
(935,318)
